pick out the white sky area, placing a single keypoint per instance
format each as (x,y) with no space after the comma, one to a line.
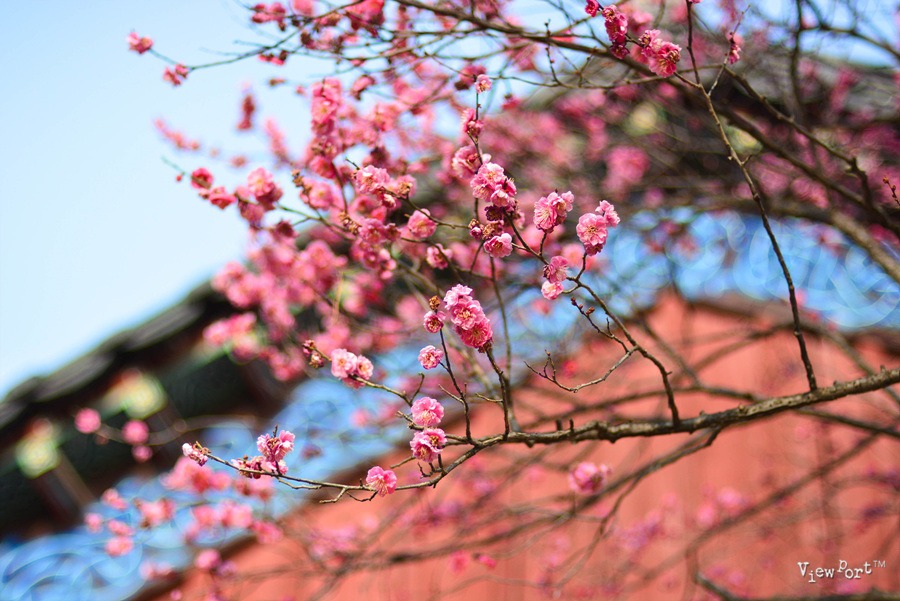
(95,234)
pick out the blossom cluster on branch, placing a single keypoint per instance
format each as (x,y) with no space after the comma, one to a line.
(429,193)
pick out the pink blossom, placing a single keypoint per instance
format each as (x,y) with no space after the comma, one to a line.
(263,187)
(274,12)
(556,270)
(141,453)
(588,478)
(486,560)
(368,14)
(384,482)
(154,513)
(551,210)
(616,25)
(420,225)
(434,321)
(112,499)
(325,103)
(201,178)
(87,421)
(592,7)
(208,560)
(139,44)
(482,84)
(430,357)
(491,185)
(551,290)
(357,381)
(468,75)
(235,515)
(364,368)
(471,126)
(465,162)
(478,335)
(662,56)
(343,363)
(219,197)
(194,453)
(275,448)
(734,52)
(458,561)
(175,75)
(664,61)
(468,318)
(465,313)
(266,532)
(189,475)
(119,528)
(437,256)
(370,180)
(118,546)
(93,522)
(426,412)
(351,368)
(154,571)
(135,432)
(608,213)
(427,445)
(455,294)
(592,231)
(360,85)
(499,246)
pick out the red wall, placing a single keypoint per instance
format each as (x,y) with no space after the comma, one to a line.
(758,556)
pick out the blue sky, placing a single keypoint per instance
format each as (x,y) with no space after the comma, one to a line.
(95,235)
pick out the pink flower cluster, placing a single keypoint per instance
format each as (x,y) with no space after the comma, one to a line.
(135,432)
(556,273)
(195,452)
(434,321)
(377,181)
(352,369)
(326,102)
(87,421)
(263,188)
(465,162)
(175,75)
(469,320)
(430,357)
(251,467)
(734,51)
(274,12)
(420,225)
(382,481)
(617,29)
(274,448)
(551,210)
(427,445)
(139,44)
(661,56)
(491,184)
(592,227)
(188,475)
(499,246)
(588,478)
(238,331)
(427,412)
(483,84)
